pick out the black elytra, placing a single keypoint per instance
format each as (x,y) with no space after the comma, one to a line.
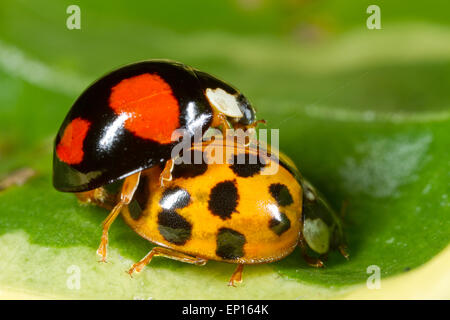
(110,151)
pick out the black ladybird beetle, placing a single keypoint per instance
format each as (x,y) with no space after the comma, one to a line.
(123,124)
(231,212)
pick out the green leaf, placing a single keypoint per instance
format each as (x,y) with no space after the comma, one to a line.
(364,115)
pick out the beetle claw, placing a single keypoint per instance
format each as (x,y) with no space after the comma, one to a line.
(236,277)
(343,250)
(314,262)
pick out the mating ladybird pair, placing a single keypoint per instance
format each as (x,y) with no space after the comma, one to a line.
(121,129)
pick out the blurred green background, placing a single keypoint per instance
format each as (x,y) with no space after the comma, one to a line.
(364,113)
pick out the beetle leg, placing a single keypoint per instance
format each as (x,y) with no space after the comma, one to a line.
(323,257)
(221,119)
(166,174)
(167,253)
(236,276)
(98,197)
(250,126)
(343,250)
(342,247)
(129,186)
(313,262)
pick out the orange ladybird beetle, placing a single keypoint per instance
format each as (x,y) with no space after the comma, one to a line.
(236,212)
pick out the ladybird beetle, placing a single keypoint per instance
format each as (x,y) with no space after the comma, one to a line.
(231,212)
(123,124)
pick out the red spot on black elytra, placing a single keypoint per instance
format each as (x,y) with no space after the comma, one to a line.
(70,147)
(153,111)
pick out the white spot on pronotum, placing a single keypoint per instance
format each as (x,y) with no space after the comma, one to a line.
(374,20)
(374,280)
(74,20)
(74,280)
(224,102)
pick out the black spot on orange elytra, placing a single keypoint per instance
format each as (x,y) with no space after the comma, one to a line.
(230,244)
(174,198)
(223,199)
(173,227)
(280,224)
(281,194)
(190,170)
(246,165)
